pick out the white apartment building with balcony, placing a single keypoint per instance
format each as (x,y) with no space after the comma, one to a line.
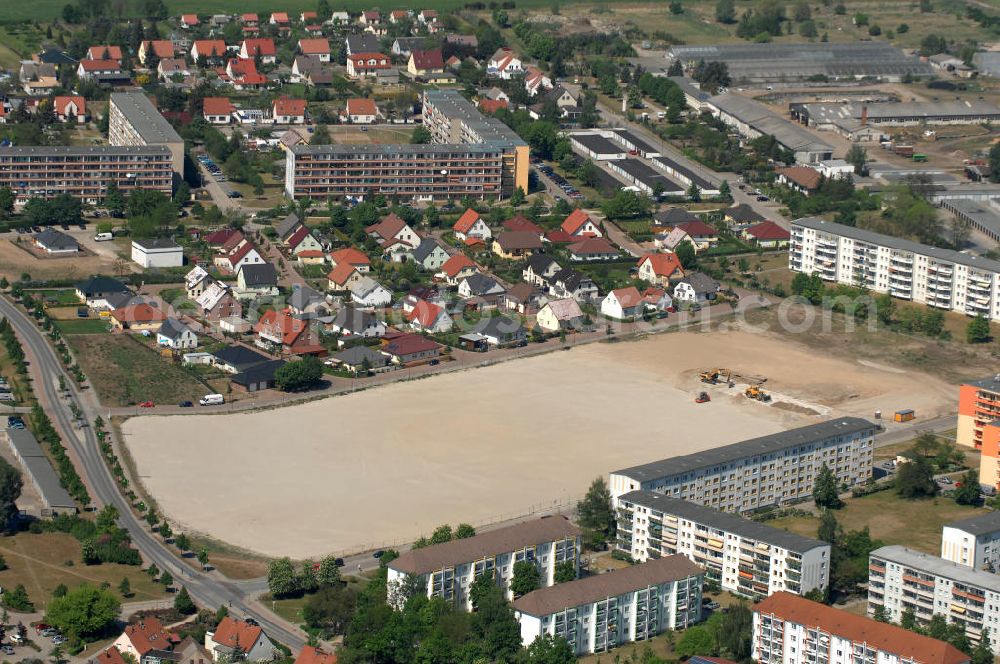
(745,557)
(973,542)
(901,579)
(906,270)
(447,570)
(788,629)
(603,611)
(770,470)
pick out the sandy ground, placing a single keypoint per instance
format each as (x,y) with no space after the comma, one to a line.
(388,465)
(14,261)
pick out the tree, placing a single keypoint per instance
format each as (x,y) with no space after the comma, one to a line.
(687,255)
(441,534)
(564,571)
(17,599)
(694,193)
(857,157)
(969,493)
(183,542)
(828,527)
(183,602)
(676,8)
(299,375)
(307,578)
(6,202)
(908,620)
(825,492)
(733,636)
(915,479)
(10,490)
(494,626)
(60,590)
(281,578)
(517,198)
(166,531)
(421,135)
(203,558)
(321,136)
(549,649)
(978,330)
(83,612)
(125,588)
(595,514)
(167,579)
(525,578)
(697,640)
(982,654)
(330,608)
(328,573)
(725,11)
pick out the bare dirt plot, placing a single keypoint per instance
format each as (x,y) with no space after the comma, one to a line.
(389,464)
(374,134)
(14,261)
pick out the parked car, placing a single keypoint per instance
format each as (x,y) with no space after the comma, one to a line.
(147,404)
(185,404)
(378,554)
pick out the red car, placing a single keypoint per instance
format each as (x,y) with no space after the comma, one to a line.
(41,626)
(147,404)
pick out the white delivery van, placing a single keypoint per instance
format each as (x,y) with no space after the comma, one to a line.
(212,400)
(102,237)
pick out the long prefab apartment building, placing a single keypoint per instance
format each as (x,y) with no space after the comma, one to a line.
(134,121)
(745,557)
(447,570)
(906,270)
(471,155)
(83,172)
(902,579)
(600,612)
(770,470)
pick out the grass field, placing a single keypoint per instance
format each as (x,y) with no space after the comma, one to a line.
(39,561)
(124,372)
(82,326)
(913,523)
(64,296)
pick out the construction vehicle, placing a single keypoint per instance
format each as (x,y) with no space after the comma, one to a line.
(716,376)
(702,398)
(755,392)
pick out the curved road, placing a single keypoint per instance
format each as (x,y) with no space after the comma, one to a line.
(210,589)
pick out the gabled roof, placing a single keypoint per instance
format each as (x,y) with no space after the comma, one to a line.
(664,265)
(109,656)
(54,239)
(407,344)
(232,633)
(698,229)
(425,249)
(593,246)
(355,357)
(100,65)
(296,238)
(673,216)
(172,328)
(259,274)
(424,314)
(454,265)
(566,309)
(240,253)
(210,47)
(195,276)
(466,221)
(365,43)
(222,236)
(218,106)
(491,106)
(147,634)
(239,357)
(768,230)
(387,227)
(189,19)
(314,46)
(743,213)
(361,106)
(341,274)
(480,284)
(354,320)
(431,59)
(350,255)
(805,177)
(286,226)
(281,323)
(212,295)
(519,240)
(365,287)
(138,313)
(701,283)
(104,52)
(292,107)
(519,223)
(627,297)
(540,263)
(162,48)
(575,221)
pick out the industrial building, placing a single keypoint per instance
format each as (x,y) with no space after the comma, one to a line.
(83,172)
(902,579)
(607,610)
(973,542)
(788,629)
(743,556)
(770,470)
(862,122)
(751,119)
(981,216)
(782,63)
(685,175)
(645,178)
(472,155)
(134,121)
(597,146)
(906,270)
(55,499)
(447,570)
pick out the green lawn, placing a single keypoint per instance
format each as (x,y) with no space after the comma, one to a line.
(63,296)
(82,326)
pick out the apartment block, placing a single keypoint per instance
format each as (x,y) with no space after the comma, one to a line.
(471,155)
(788,629)
(906,270)
(600,612)
(902,579)
(770,470)
(134,121)
(447,570)
(83,172)
(745,557)
(978,405)
(973,542)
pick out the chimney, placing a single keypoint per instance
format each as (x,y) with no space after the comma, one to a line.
(864,115)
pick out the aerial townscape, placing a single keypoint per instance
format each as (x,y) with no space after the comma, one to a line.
(508,332)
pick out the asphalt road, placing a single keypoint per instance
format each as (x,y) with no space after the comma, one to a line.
(209,589)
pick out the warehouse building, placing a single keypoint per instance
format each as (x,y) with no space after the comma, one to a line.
(607,610)
(83,172)
(980,216)
(645,178)
(973,542)
(742,556)
(781,63)
(685,175)
(471,155)
(55,499)
(906,270)
(751,119)
(760,472)
(860,122)
(902,579)
(635,144)
(134,121)
(597,146)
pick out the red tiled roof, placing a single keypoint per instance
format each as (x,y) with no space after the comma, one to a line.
(189,19)
(61,103)
(163,48)
(210,47)
(148,634)
(407,344)
(559,236)
(138,313)
(698,229)
(519,223)
(361,106)
(222,236)
(466,221)
(314,46)
(628,297)
(218,106)
(424,313)
(768,230)
(884,636)
(250,18)
(291,107)
(239,254)
(491,106)
(300,234)
(387,227)
(349,255)
(274,323)
(310,253)
(340,274)
(362,58)
(664,265)
(431,59)
(305,16)
(280,17)
(110,656)
(575,221)
(593,246)
(259,46)
(104,53)
(100,65)
(456,264)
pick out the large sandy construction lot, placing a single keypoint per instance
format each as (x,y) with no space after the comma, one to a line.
(390,464)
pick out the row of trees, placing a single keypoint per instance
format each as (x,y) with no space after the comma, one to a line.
(283,580)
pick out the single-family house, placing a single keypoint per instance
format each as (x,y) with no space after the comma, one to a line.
(70,108)
(802,179)
(422,63)
(143,638)
(471,225)
(244,253)
(391,228)
(660,269)
(305,302)
(218,239)
(138,317)
(303,242)
(367,292)
(593,249)
(670,240)
(430,255)
(243,74)
(428,16)
(556,315)
(105,53)
(93,69)
(519,223)
(673,216)
(524,298)
(457,268)
(256,280)
(288,111)
(656,299)
(366,65)
(319,48)
(578,224)
(218,110)
(236,358)
(210,50)
(280,19)
(410,348)
(767,235)
(361,111)
(281,328)
(342,277)
(696,287)
(622,303)
(538,269)
(703,235)
(397,16)
(351,256)
(109,656)
(96,290)
(742,214)
(168,68)
(403,46)
(247,640)
(311,70)
(176,335)
(535,81)
(370,17)
(428,317)
(353,322)
(501,330)
(159,49)
(218,302)
(504,64)
(568,282)
(363,43)
(259,376)
(196,281)
(479,285)
(55,243)
(261,49)
(516,244)
(357,359)
(189,21)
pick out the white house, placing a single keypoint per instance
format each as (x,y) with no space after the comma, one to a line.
(560,315)
(352,322)
(471,225)
(428,317)
(504,64)
(238,639)
(175,334)
(157,252)
(973,542)
(429,255)
(696,287)
(367,292)
(256,280)
(622,303)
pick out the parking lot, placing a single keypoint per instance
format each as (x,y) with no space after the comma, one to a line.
(559,181)
(216,172)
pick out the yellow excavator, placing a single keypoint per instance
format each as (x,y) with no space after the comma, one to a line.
(715,376)
(756,392)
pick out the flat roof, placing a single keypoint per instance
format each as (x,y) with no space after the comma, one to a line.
(992,383)
(484,545)
(74,151)
(723,521)
(763,119)
(156,243)
(977,262)
(747,448)
(925,562)
(38,467)
(981,524)
(388,150)
(985,216)
(640,144)
(647,175)
(701,182)
(598,144)
(546,601)
(144,117)
(456,107)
